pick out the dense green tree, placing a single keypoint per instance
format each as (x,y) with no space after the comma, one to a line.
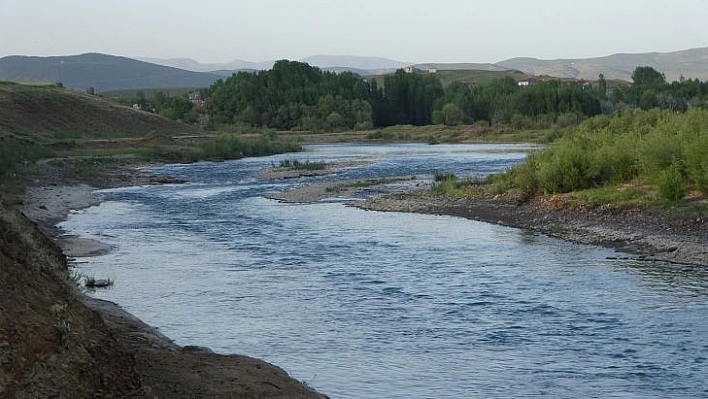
(602,87)
(293,95)
(409,98)
(645,76)
(452,114)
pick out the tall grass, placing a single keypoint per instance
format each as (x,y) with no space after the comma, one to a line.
(449,184)
(664,150)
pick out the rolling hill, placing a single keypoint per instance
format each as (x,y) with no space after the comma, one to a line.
(189,64)
(363,66)
(107,72)
(48,113)
(100,71)
(691,63)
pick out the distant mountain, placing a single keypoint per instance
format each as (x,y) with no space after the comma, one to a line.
(461,66)
(189,64)
(107,72)
(100,71)
(336,63)
(355,62)
(356,71)
(687,63)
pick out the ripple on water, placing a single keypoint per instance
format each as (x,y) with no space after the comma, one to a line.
(366,304)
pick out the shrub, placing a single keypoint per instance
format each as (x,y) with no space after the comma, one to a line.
(445,183)
(567,120)
(666,149)
(567,167)
(441,177)
(524,178)
(671,184)
(307,165)
(697,162)
(229,146)
(15,152)
(658,151)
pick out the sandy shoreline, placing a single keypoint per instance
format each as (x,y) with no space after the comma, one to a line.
(49,205)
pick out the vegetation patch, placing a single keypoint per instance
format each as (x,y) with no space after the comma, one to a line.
(634,156)
(298,165)
(451,185)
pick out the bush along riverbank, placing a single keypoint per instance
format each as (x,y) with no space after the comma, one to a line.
(633,158)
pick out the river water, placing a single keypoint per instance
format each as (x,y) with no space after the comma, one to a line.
(389,305)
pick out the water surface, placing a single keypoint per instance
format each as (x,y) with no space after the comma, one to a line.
(391,305)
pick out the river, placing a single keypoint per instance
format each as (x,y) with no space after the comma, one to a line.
(389,305)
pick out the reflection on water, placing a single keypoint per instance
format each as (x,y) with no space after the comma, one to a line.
(387,305)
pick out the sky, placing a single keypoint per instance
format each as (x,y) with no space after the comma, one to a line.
(212,31)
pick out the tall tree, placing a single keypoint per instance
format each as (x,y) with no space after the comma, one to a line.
(645,76)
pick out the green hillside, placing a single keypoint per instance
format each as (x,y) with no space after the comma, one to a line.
(48,113)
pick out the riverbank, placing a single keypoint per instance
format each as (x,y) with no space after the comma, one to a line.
(648,234)
(71,345)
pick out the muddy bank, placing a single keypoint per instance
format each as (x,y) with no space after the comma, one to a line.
(648,234)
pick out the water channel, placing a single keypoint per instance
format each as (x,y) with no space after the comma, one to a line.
(390,305)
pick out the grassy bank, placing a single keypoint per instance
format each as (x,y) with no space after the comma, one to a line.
(636,158)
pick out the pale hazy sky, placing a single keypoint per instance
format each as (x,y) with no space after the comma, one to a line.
(410,31)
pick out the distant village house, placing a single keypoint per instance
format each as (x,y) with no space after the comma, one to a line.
(528,82)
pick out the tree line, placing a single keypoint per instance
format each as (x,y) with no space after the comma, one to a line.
(649,90)
(296,96)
